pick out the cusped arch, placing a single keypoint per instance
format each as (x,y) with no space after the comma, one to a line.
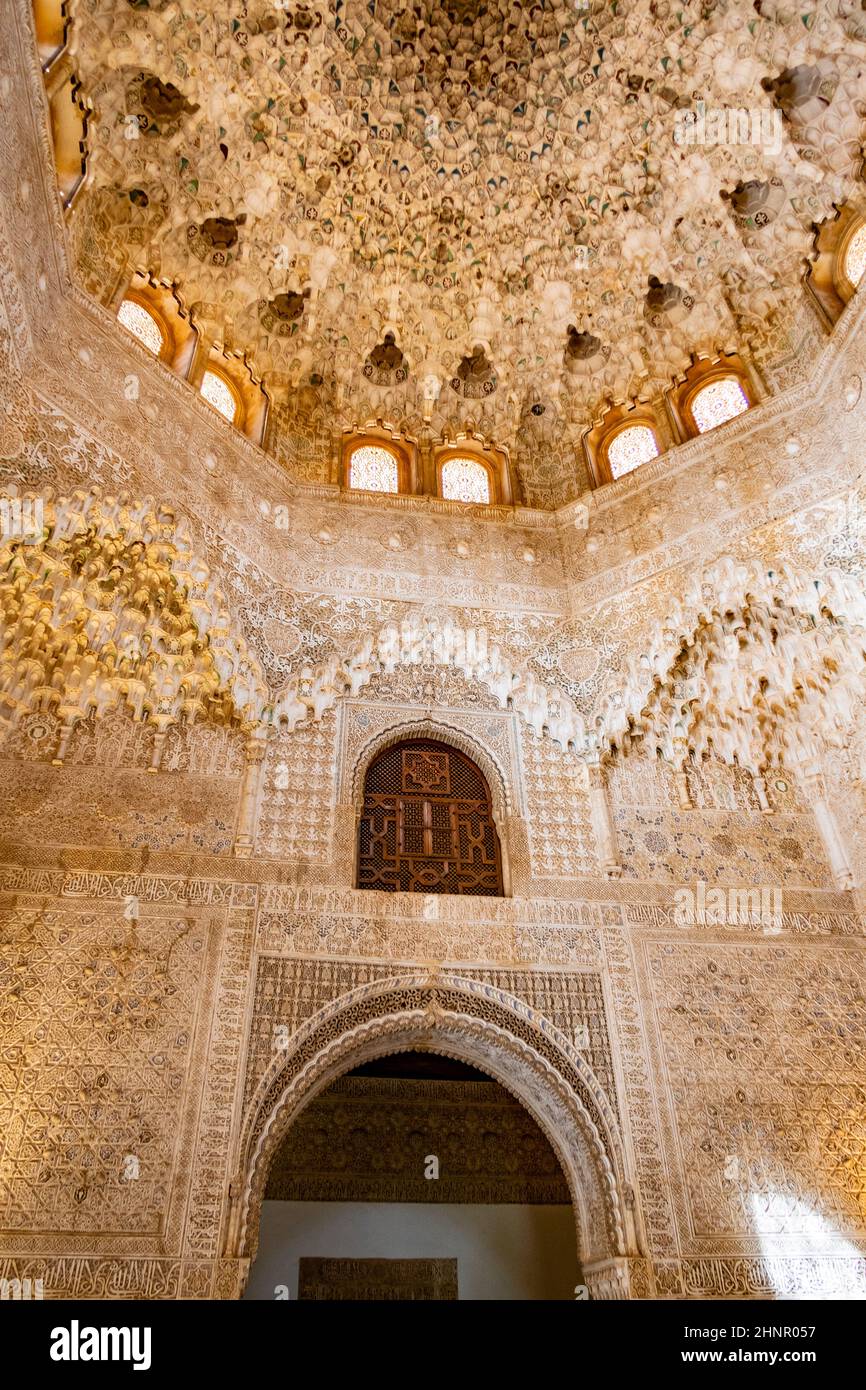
(474,1022)
(424,639)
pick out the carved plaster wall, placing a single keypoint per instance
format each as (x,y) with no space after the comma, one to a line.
(700,1082)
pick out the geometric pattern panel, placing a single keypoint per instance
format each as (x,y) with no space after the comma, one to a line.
(104,794)
(289,991)
(376,1280)
(761,1049)
(96,1021)
(665,845)
(86,806)
(296,807)
(561,838)
(368,1139)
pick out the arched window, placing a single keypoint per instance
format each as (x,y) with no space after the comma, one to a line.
(718,401)
(631,447)
(855,257)
(465,480)
(220,395)
(427,823)
(374,469)
(142,324)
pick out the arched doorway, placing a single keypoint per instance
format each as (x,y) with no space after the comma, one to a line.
(426,823)
(482,1025)
(415,1176)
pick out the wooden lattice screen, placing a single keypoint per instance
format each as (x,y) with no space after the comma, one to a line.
(427,823)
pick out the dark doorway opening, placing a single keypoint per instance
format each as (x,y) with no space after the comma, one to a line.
(414,1177)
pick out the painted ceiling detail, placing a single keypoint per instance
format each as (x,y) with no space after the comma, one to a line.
(470,209)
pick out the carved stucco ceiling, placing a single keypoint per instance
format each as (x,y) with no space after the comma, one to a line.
(491,183)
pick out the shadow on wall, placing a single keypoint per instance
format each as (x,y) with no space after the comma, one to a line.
(503,1251)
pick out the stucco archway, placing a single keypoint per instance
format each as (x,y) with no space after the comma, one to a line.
(479,1024)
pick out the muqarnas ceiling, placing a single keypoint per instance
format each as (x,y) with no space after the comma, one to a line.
(469,212)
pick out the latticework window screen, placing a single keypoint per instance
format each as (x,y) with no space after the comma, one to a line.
(427,823)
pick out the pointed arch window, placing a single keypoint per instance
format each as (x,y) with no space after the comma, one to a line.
(427,823)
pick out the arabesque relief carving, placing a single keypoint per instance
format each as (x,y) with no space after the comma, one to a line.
(204,641)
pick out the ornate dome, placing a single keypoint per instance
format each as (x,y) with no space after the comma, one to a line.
(494,183)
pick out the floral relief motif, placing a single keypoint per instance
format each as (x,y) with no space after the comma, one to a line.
(203,641)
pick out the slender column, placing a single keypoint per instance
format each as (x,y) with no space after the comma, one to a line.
(760,786)
(183,358)
(159,739)
(664,427)
(67,729)
(840,867)
(245,834)
(344,844)
(756,381)
(425,484)
(516,867)
(602,821)
(681,780)
(198,362)
(677,428)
